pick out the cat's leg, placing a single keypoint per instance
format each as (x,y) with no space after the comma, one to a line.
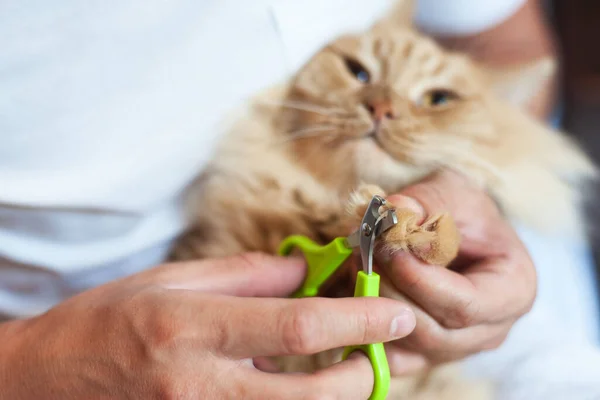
(435,240)
(244,216)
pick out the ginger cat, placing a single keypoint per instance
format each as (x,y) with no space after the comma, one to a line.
(369,114)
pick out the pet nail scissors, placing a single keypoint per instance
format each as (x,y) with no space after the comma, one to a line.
(323,261)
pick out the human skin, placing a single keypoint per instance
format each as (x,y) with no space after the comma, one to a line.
(191,330)
(464,309)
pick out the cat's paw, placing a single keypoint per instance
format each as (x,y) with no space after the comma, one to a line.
(435,241)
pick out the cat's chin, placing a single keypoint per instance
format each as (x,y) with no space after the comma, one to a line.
(378,167)
(370,149)
(373,137)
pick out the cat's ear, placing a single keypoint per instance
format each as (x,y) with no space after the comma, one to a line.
(400,15)
(520,84)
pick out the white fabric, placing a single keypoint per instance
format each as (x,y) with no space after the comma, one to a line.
(109,108)
(464,17)
(553,352)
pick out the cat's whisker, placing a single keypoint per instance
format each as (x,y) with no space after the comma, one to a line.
(354,121)
(310,129)
(411,143)
(307,133)
(321,131)
(310,107)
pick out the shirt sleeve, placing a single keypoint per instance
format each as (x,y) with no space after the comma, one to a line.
(463,17)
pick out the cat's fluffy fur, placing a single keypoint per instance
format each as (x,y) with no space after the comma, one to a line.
(290,162)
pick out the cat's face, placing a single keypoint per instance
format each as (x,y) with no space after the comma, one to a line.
(386,106)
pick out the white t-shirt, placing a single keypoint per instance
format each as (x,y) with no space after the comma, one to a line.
(107,111)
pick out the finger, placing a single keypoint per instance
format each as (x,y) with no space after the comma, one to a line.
(251,274)
(439,345)
(447,191)
(265,364)
(266,327)
(499,262)
(483,230)
(490,291)
(351,379)
(403,362)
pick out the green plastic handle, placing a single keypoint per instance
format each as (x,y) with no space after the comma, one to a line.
(368,286)
(322,261)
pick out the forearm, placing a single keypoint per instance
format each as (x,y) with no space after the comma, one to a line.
(524,37)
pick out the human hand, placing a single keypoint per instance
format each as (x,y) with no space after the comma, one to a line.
(191,330)
(471,306)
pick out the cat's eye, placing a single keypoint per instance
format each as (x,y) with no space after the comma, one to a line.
(438,98)
(358,70)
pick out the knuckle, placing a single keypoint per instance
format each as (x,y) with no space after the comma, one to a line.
(299,331)
(411,283)
(462,314)
(154,319)
(445,356)
(251,260)
(220,334)
(169,387)
(142,299)
(162,332)
(368,324)
(495,342)
(365,323)
(428,341)
(526,305)
(525,288)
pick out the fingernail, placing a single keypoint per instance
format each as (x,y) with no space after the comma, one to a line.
(355,354)
(403,324)
(401,201)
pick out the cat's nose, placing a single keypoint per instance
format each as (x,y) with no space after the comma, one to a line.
(380,109)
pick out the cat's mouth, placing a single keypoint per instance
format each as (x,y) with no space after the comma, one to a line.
(373,135)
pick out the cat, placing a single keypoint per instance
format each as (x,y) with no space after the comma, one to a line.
(371,113)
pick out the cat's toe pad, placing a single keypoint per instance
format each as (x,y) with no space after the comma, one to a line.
(435,241)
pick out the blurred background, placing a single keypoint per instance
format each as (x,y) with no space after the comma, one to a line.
(577,27)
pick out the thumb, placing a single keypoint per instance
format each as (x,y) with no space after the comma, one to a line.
(245,275)
(445,192)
